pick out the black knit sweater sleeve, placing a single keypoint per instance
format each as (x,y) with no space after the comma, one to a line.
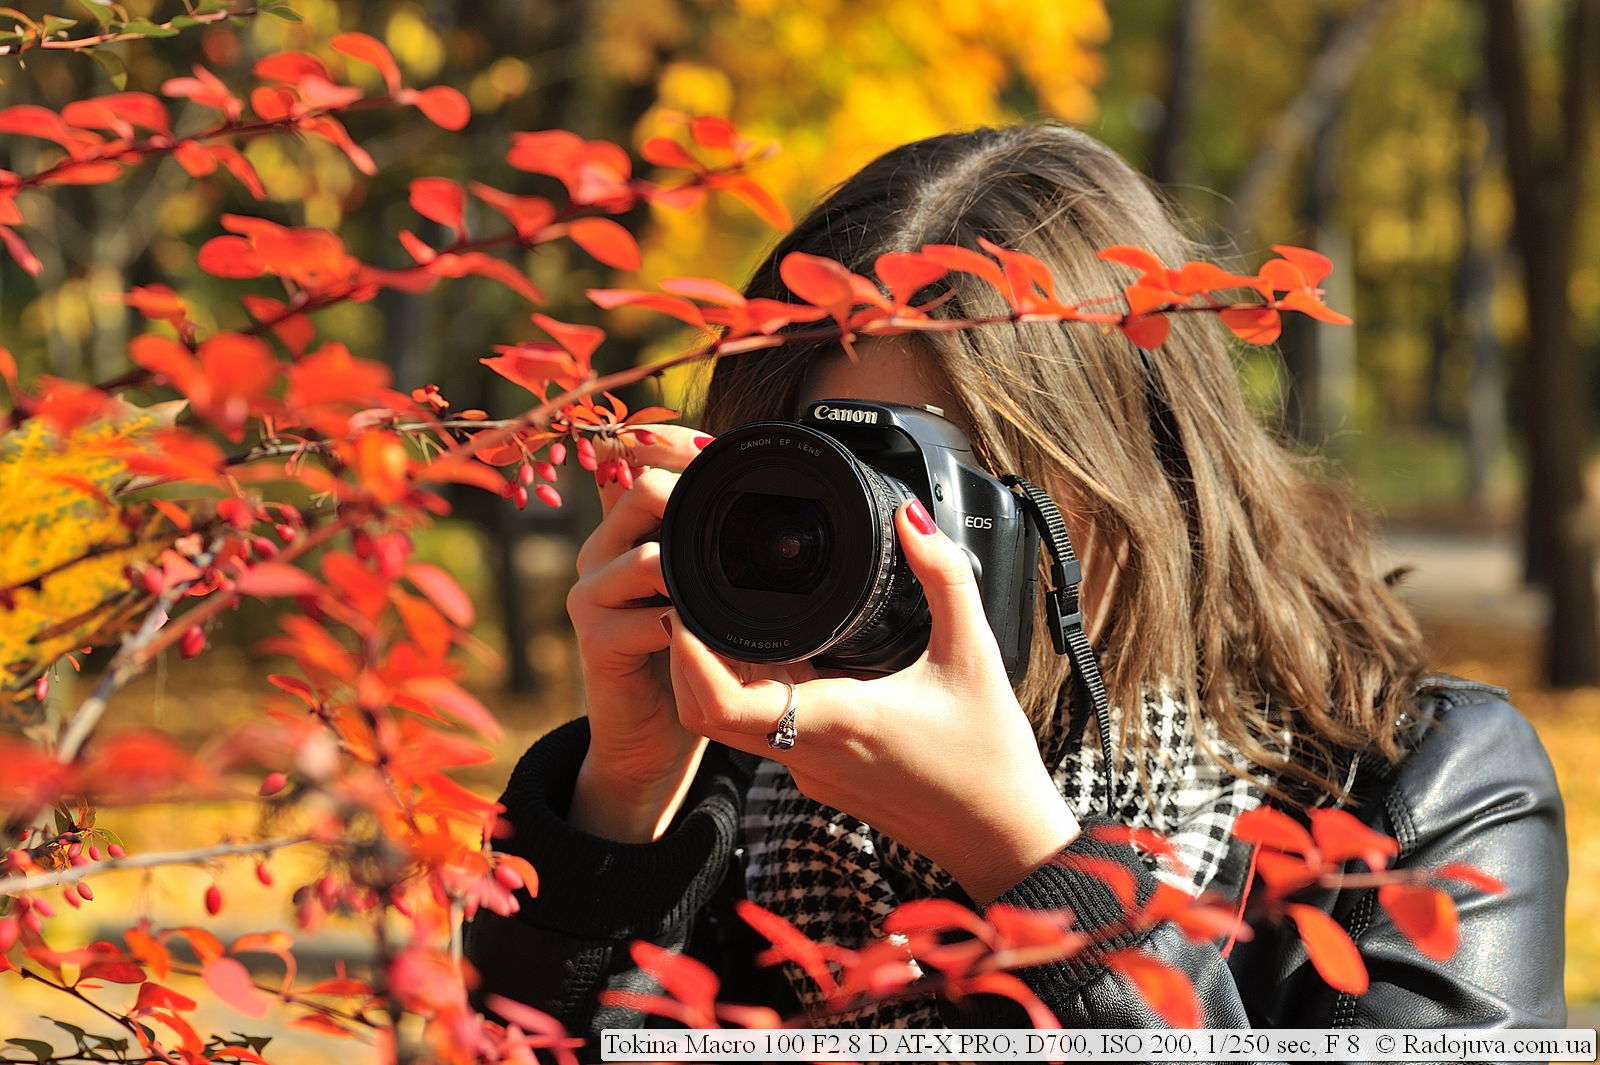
(570,939)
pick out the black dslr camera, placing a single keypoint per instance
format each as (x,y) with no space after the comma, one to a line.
(778,543)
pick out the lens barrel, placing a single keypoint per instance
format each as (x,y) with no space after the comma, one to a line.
(778,545)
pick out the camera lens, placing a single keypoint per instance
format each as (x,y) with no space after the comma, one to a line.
(774,543)
(778,545)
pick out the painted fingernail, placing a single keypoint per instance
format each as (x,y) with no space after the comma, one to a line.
(701,441)
(920,520)
(666,623)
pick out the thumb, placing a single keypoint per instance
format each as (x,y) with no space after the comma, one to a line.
(960,629)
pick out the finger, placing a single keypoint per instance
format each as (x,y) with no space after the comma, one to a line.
(621,635)
(960,629)
(729,710)
(669,446)
(633,517)
(626,581)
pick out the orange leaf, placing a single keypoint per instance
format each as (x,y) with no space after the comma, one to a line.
(1145,262)
(20,251)
(995,983)
(967,261)
(230,981)
(444,106)
(676,307)
(1273,828)
(1167,990)
(1114,875)
(276,578)
(1424,915)
(789,944)
(820,282)
(1340,835)
(441,588)
(456,701)
(440,200)
(1253,325)
(1147,331)
(756,197)
(1314,265)
(907,272)
(229,256)
(666,152)
(1470,875)
(606,241)
(370,50)
(685,979)
(527,214)
(1331,950)
(153,996)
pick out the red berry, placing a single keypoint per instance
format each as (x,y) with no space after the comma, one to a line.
(273,783)
(264,548)
(558,453)
(548,495)
(41,687)
(86,891)
(545,471)
(70,898)
(43,908)
(192,642)
(525,473)
(586,455)
(286,533)
(624,474)
(8,933)
(94,853)
(115,850)
(508,877)
(264,874)
(519,496)
(213,900)
(644,436)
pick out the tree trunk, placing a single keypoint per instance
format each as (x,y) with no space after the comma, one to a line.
(1546,184)
(1474,293)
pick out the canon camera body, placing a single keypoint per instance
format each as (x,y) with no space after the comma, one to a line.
(778,543)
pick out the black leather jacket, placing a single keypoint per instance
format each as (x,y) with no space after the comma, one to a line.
(1475,788)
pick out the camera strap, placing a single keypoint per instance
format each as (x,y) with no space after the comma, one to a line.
(1063,613)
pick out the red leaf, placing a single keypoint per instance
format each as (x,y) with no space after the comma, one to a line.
(705,289)
(230,981)
(967,261)
(370,50)
(907,272)
(20,251)
(789,944)
(456,701)
(276,578)
(106,962)
(442,589)
(1314,265)
(1113,875)
(1269,827)
(666,152)
(1330,948)
(1166,989)
(1253,325)
(685,979)
(444,106)
(820,282)
(580,340)
(935,915)
(681,309)
(1204,277)
(290,68)
(1147,331)
(756,197)
(1146,263)
(606,241)
(440,200)
(1469,875)
(533,366)
(527,214)
(1341,836)
(1424,915)
(155,997)
(239,167)
(709,131)
(230,256)
(116,109)
(1309,305)
(486,265)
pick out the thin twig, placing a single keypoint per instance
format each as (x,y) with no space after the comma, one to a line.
(84,44)
(20,885)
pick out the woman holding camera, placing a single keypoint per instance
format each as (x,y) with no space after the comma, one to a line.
(1252,651)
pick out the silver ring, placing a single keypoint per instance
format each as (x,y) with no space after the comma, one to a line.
(782,737)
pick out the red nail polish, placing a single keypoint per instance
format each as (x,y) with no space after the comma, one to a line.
(666,623)
(920,519)
(701,441)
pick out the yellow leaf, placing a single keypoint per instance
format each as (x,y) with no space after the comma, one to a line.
(66,542)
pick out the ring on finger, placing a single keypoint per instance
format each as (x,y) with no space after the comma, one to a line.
(782,737)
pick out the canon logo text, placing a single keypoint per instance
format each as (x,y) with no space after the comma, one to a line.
(838,414)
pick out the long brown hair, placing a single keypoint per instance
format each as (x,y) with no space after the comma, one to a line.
(1249,589)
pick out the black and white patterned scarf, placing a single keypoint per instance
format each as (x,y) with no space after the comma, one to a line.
(836,879)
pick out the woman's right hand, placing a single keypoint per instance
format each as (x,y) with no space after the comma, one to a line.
(640,760)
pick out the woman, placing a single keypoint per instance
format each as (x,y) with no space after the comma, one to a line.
(1252,651)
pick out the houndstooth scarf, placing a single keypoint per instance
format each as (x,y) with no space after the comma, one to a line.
(836,879)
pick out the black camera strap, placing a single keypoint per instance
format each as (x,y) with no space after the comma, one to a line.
(1064,615)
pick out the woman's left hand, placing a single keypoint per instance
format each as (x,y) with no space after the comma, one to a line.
(939,756)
